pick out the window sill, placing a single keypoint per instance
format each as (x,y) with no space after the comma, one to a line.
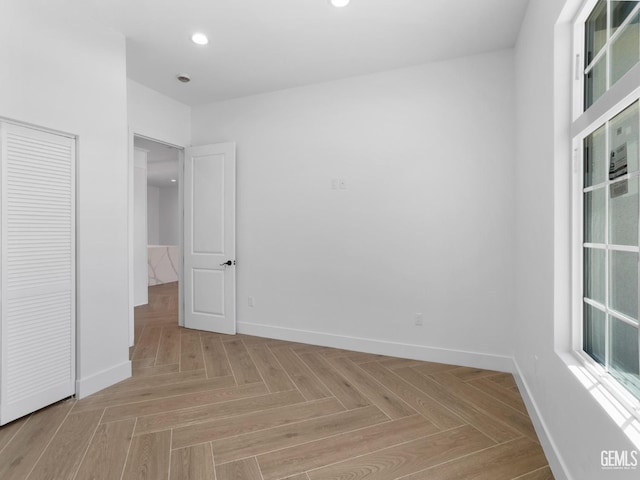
(622,407)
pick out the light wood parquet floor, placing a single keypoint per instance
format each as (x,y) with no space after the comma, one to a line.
(209,406)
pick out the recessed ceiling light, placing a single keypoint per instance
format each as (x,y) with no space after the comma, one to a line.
(339,3)
(183,77)
(201,38)
(173,180)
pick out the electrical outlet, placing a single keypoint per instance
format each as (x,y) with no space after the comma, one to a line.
(418,319)
(252,302)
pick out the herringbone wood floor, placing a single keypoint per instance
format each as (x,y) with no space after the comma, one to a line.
(208,406)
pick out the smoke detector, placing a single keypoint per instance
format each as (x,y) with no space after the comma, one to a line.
(183,77)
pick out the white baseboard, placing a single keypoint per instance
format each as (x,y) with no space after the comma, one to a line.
(98,381)
(381,347)
(558,466)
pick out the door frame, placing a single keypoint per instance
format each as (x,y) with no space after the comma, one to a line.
(134,132)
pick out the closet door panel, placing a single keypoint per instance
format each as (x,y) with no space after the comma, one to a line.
(38,270)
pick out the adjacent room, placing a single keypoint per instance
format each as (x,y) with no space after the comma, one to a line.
(373,239)
(157,217)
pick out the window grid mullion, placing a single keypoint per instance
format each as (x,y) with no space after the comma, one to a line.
(607,47)
(607,182)
(607,318)
(620,316)
(623,248)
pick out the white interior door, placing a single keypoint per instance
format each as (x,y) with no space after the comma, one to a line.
(209,238)
(37,291)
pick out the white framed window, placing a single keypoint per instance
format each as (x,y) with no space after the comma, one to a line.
(611,45)
(606,213)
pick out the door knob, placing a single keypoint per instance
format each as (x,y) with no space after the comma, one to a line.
(228,262)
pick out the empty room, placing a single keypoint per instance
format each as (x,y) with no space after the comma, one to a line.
(320,239)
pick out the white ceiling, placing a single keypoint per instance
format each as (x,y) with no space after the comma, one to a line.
(265,45)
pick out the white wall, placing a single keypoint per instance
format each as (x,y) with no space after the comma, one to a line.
(169,216)
(576,425)
(157,116)
(153,215)
(69,74)
(423,225)
(163,215)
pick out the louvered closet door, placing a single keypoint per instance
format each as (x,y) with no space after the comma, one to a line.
(38,270)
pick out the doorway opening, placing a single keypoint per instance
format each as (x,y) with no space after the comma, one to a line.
(157,218)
